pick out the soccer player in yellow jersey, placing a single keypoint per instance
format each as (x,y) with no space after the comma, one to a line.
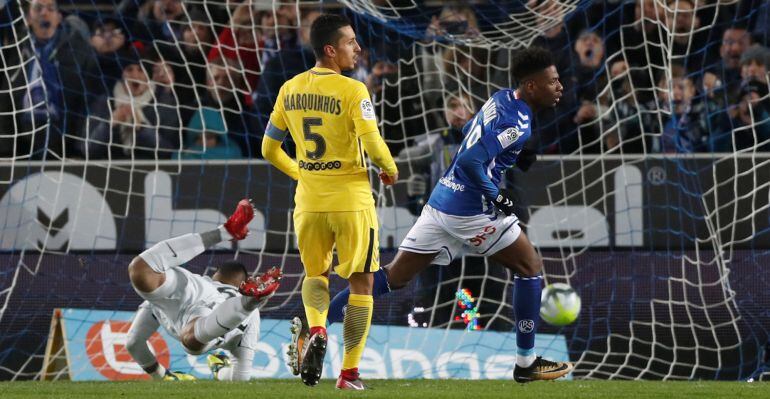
(331,119)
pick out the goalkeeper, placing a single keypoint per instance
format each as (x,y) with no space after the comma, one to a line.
(202,313)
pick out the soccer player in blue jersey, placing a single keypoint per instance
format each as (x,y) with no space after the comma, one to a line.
(468,212)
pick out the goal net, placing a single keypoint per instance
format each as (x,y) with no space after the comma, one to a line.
(126,123)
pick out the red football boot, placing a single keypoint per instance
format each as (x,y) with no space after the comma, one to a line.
(237,224)
(262,286)
(349,380)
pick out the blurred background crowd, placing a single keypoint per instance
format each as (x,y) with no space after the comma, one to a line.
(166,79)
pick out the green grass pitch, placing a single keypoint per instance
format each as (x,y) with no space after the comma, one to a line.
(391,389)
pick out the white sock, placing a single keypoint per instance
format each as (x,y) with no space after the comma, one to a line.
(142,328)
(225,317)
(225,373)
(525,360)
(173,252)
(159,372)
(224,233)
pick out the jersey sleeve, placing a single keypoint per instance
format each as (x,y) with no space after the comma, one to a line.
(362,110)
(278,116)
(507,133)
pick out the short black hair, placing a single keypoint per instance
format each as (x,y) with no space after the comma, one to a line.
(232,269)
(325,31)
(530,61)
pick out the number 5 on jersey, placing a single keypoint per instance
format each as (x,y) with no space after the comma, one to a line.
(320,143)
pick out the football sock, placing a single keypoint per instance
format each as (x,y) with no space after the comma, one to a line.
(142,328)
(180,250)
(356,328)
(315,298)
(225,317)
(157,372)
(340,301)
(526,310)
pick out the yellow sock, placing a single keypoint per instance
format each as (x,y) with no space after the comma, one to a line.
(358,317)
(315,298)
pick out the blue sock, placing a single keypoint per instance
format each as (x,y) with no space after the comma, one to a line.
(526,310)
(340,301)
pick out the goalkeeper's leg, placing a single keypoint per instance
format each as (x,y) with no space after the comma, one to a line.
(142,328)
(147,271)
(199,333)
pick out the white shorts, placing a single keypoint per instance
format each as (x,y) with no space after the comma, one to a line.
(452,236)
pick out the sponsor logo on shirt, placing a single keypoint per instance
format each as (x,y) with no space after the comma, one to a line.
(320,165)
(448,182)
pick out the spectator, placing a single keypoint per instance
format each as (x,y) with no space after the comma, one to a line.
(225,86)
(374,82)
(139,119)
(726,76)
(160,20)
(464,69)
(207,137)
(641,42)
(433,152)
(685,127)
(754,62)
(239,42)
(57,83)
(198,40)
(749,121)
(689,41)
(626,119)
(279,31)
(722,85)
(287,63)
(554,36)
(107,40)
(453,22)
(588,77)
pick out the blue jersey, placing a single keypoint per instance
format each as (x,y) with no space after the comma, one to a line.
(493,140)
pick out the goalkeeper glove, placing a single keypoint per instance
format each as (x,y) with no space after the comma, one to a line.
(504,202)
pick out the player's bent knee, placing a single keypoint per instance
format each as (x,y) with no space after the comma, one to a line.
(531,266)
(192,345)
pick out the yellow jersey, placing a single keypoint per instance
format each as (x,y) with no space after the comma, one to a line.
(326,113)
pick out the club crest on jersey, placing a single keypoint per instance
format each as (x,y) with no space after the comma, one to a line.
(367,109)
(509,136)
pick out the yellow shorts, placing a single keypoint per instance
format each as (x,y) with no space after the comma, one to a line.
(356,234)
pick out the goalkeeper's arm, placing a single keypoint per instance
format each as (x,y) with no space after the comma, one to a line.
(273,153)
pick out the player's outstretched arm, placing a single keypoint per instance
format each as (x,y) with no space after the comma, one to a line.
(378,151)
(273,153)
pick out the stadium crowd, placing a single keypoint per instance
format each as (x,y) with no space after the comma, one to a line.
(163,79)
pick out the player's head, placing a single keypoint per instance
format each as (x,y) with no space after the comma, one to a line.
(231,272)
(334,41)
(537,79)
